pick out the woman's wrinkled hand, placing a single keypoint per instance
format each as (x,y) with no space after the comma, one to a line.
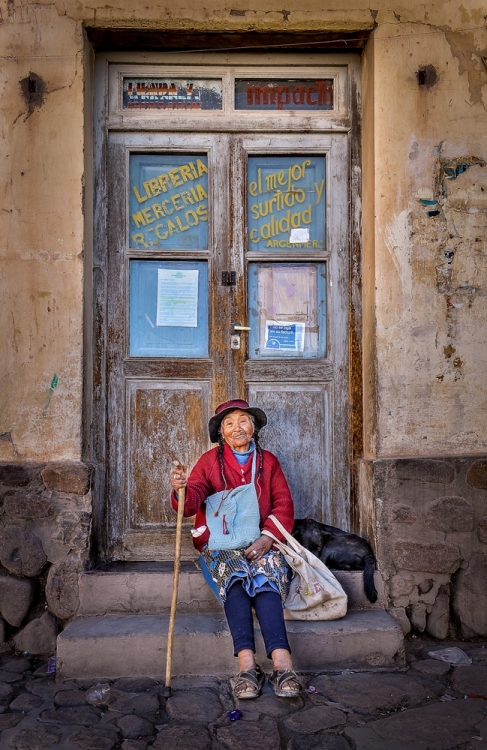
(178,479)
(259,548)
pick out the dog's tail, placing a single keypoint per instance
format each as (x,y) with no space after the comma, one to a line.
(369,585)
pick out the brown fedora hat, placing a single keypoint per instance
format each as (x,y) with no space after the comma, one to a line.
(222,410)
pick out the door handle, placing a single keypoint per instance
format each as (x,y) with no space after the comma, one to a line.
(235,331)
(237,327)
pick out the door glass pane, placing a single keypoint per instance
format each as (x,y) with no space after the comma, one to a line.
(169,201)
(181,94)
(286,203)
(287,310)
(168,309)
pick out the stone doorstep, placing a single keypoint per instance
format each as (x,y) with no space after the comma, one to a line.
(133,589)
(130,645)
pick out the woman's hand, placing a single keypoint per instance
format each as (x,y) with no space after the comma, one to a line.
(178,479)
(258,548)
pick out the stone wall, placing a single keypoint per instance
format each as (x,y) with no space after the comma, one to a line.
(430,525)
(45,534)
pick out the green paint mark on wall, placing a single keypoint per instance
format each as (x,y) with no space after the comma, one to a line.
(52,387)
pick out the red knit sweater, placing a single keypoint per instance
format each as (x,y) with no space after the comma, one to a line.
(271,485)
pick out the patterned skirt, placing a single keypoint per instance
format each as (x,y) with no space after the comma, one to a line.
(269,573)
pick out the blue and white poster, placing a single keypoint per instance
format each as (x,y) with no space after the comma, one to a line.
(284,336)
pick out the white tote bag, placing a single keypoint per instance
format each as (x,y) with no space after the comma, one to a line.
(315,593)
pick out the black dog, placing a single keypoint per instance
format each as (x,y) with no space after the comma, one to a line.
(338,549)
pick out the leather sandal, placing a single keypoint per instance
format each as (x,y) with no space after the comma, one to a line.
(247,684)
(281,677)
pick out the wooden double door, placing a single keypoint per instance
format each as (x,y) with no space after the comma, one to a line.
(227,277)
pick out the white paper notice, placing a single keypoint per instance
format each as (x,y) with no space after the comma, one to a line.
(300,234)
(177,298)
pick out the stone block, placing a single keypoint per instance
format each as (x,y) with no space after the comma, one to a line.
(84,715)
(437,726)
(8,721)
(21,552)
(399,615)
(26,702)
(319,741)
(425,586)
(70,698)
(72,478)
(133,727)
(367,693)
(73,528)
(315,719)
(425,470)
(470,680)
(431,667)
(434,557)
(101,738)
(482,530)
(38,636)
(194,736)
(418,616)
(15,475)
(262,734)
(190,706)
(28,506)
(401,585)
(62,587)
(36,738)
(136,745)
(16,596)
(135,703)
(450,514)
(438,620)
(477,475)
(470,596)
(403,514)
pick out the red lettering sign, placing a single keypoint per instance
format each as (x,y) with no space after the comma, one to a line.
(284,95)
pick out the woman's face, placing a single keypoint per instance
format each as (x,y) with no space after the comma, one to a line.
(237,430)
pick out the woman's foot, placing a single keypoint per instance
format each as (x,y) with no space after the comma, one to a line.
(247,684)
(285,683)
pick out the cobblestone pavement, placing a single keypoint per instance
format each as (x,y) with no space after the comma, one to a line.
(428,706)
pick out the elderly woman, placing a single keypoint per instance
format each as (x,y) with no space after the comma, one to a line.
(232,491)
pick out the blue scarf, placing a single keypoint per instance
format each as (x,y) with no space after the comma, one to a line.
(242,458)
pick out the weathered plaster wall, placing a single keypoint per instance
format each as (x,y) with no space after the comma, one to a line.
(430,244)
(41,230)
(424,368)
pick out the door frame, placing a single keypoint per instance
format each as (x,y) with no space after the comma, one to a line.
(346,120)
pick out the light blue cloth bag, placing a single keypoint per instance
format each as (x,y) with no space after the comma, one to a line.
(233,517)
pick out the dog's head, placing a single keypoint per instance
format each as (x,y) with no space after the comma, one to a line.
(308,533)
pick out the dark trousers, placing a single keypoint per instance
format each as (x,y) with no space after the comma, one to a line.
(268,608)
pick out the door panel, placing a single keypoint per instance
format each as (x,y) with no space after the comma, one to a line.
(300,419)
(165,421)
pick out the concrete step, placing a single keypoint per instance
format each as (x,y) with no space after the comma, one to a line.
(144,588)
(127,645)
(123,588)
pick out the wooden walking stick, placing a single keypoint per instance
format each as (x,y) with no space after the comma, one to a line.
(175,583)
